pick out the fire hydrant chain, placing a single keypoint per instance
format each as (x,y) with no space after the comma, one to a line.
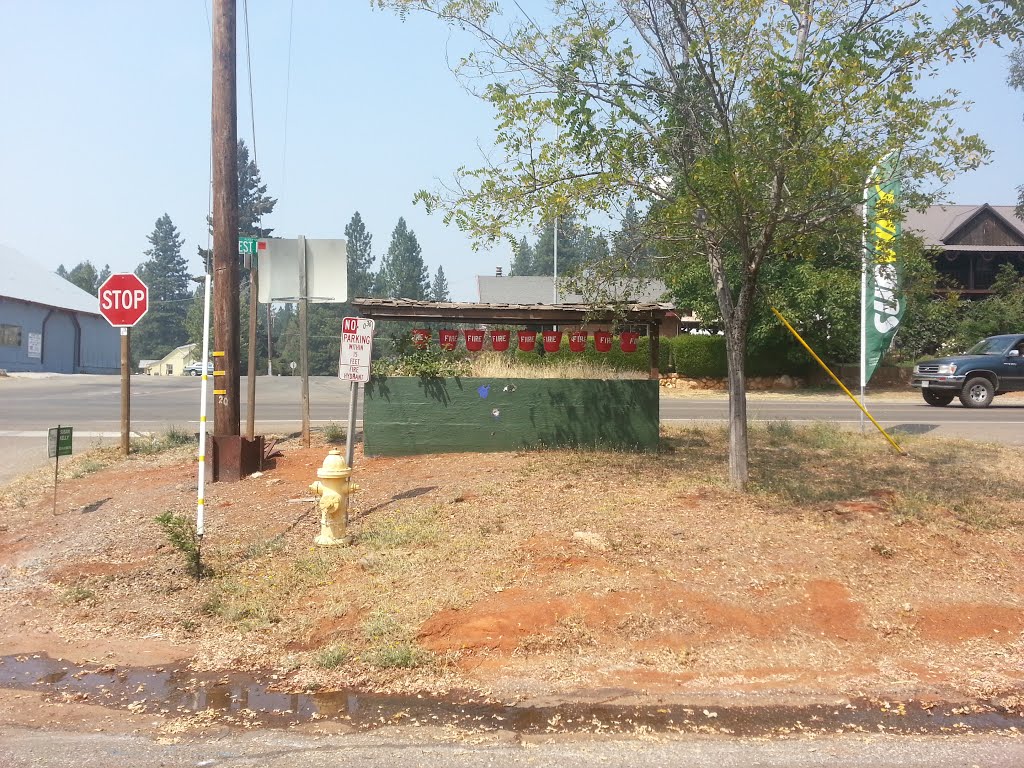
(333,488)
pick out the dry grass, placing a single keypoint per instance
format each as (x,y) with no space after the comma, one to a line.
(489,366)
(607,561)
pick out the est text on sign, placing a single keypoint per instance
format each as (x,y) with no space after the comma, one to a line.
(356,346)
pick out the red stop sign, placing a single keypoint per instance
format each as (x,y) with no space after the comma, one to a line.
(124,299)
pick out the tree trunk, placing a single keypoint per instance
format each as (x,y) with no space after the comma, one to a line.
(735,346)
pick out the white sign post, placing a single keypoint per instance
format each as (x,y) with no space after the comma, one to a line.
(354,366)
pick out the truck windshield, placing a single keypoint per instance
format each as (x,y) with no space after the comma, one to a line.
(994,345)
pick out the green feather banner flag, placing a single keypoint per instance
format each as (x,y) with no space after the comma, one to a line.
(882,303)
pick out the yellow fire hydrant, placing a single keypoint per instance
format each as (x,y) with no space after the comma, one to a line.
(333,488)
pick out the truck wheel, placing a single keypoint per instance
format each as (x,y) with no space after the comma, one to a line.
(938,399)
(977,393)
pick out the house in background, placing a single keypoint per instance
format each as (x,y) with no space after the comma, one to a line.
(970,242)
(539,289)
(173,363)
(49,324)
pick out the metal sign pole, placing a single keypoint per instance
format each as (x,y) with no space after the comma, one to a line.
(56,466)
(350,433)
(304,339)
(126,403)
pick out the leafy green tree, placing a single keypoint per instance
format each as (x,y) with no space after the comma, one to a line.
(1002,312)
(85,276)
(747,127)
(439,288)
(403,275)
(1016,80)
(165,273)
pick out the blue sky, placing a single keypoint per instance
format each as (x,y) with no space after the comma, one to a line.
(106,113)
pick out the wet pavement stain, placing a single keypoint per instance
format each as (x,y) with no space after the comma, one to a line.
(243,700)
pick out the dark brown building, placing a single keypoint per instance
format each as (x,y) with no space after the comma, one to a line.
(971,242)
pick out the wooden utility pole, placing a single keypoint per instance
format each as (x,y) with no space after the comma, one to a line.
(227,398)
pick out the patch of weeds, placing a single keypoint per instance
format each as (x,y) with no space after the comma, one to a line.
(417,527)
(172,437)
(214,605)
(780,431)
(86,467)
(333,433)
(397,656)
(78,594)
(237,605)
(824,435)
(381,625)
(189,625)
(317,565)
(981,516)
(258,549)
(911,507)
(333,657)
(181,533)
(883,551)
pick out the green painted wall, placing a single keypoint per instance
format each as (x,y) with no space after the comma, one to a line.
(403,416)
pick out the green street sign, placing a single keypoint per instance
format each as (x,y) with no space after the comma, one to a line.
(58,442)
(248,245)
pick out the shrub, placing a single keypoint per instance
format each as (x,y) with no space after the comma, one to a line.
(181,533)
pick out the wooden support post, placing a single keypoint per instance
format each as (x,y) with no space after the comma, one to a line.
(654,332)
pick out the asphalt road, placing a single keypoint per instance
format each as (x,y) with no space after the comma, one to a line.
(91,404)
(396,748)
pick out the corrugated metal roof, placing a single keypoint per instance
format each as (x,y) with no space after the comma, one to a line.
(26,280)
(540,290)
(468,312)
(939,221)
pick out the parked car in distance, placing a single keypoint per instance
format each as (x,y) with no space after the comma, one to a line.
(196,369)
(991,367)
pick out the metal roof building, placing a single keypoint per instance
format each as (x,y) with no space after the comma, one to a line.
(49,324)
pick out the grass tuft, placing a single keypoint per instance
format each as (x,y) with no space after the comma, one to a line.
(333,433)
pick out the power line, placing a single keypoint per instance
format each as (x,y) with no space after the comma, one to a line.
(287,95)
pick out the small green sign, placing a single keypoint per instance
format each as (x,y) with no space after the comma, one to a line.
(248,245)
(58,442)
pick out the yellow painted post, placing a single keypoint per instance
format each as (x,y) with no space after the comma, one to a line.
(837,381)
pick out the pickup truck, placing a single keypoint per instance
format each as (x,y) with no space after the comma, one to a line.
(991,367)
(196,369)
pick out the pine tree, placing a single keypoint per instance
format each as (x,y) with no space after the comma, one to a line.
(254,204)
(522,262)
(439,288)
(360,258)
(85,276)
(631,245)
(165,273)
(403,275)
